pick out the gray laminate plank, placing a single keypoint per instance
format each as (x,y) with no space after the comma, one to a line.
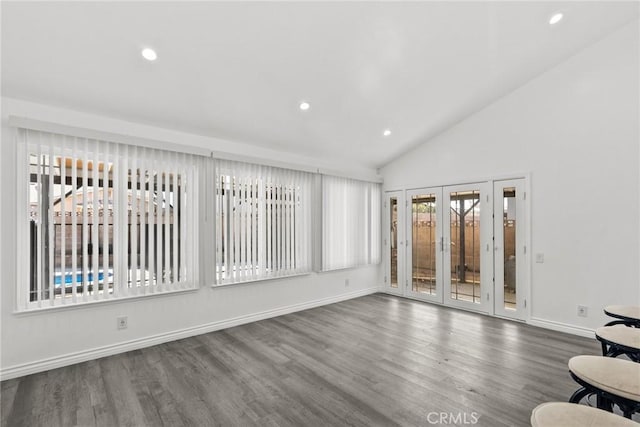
(8,390)
(378,360)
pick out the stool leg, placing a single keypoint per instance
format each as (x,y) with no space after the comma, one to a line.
(626,411)
(604,349)
(604,403)
(579,395)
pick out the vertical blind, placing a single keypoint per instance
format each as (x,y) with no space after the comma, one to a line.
(262,222)
(105,220)
(350,223)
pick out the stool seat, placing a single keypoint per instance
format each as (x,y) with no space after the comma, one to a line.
(625,312)
(622,335)
(615,376)
(554,414)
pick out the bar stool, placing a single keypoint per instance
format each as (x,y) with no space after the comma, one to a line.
(554,414)
(613,381)
(628,315)
(617,340)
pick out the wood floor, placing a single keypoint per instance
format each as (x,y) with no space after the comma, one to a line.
(378,360)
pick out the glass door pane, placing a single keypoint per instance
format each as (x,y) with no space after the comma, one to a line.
(465,245)
(509,256)
(394,241)
(424,249)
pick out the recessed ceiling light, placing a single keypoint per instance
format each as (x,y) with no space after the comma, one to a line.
(304,106)
(557,17)
(149,54)
(387,132)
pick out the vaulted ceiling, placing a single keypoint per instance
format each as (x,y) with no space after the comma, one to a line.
(239,70)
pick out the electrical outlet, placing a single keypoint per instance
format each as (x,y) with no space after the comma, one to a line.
(346,283)
(582,310)
(123,322)
(540,258)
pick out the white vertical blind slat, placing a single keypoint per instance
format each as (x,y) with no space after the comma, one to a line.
(133,221)
(24,159)
(74,219)
(174,226)
(287,218)
(190,190)
(50,227)
(124,165)
(40,223)
(105,224)
(261,215)
(158,224)
(152,227)
(167,223)
(183,201)
(255,203)
(375,224)
(239,272)
(177,223)
(269,223)
(166,264)
(236,227)
(85,220)
(94,224)
(228,226)
(144,194)
(292,230)
(63,220)
(117,190)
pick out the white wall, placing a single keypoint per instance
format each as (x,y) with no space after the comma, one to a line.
(575,129)
(36,341)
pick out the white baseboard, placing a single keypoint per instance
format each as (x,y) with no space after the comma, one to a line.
(109,350)
(562,327)
(534,321)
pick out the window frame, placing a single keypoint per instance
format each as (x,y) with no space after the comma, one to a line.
(125,158)
(270,183)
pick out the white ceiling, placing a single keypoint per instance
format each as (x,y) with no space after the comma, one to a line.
(238,70)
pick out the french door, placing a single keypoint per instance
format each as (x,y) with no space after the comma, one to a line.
(467,246)
(461,246)
(448,254)
(394,242)
(510,251)
(425,243)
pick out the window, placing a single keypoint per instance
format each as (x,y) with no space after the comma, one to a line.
(350,223)
(262,222)
(102,220)
(105,220)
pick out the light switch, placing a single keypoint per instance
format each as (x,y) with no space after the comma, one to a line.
(540,258)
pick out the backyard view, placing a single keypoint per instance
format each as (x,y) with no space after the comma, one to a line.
(464,246)
(72,212)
